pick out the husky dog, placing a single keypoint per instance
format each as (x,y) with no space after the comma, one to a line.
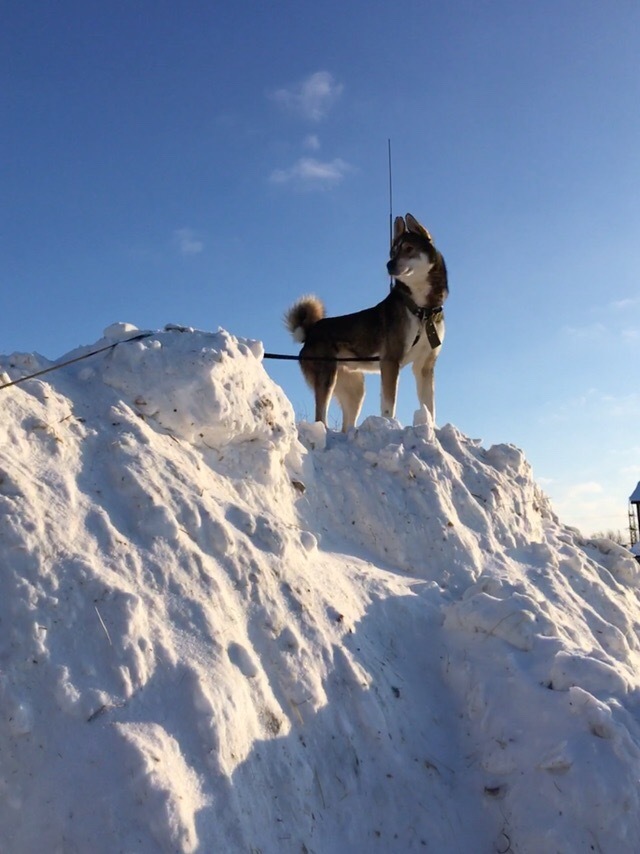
(407,326)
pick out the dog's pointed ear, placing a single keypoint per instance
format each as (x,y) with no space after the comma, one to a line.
(414,226)
(399,228)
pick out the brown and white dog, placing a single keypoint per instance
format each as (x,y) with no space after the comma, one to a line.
(406,327)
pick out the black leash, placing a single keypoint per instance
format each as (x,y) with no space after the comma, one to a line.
(321,358)
(64,364)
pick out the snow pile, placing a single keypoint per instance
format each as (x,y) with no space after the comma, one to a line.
(222,633)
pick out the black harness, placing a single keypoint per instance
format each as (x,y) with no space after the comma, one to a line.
(426,316)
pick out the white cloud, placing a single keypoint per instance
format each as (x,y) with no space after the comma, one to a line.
(545,482)
(187,242)
(312,98)
(590,507)
(590,332)
(618,322)
(595,407)
(625,407)
(624,304)
(309,173)
(584,490)
(311,142)
(609,335)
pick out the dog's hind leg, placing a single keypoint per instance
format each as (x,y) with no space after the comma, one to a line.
(350,393)
(323,386)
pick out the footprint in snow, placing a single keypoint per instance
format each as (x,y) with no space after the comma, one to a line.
(241,519)
(263,533)
(242,659)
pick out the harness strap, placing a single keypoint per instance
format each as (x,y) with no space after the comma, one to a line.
(426,316)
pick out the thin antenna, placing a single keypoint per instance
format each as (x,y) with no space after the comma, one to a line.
(390,195)
(390,207)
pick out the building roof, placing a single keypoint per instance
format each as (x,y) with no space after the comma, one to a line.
(635,495)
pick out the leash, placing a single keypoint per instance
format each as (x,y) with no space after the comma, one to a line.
(64,364)
(288,358)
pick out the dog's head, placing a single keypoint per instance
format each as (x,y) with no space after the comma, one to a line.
(412,251)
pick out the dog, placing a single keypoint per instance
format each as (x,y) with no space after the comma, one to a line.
(406,327)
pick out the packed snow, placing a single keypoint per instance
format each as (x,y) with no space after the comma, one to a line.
(221,631)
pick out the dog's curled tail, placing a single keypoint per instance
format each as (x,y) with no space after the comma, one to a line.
(302,315)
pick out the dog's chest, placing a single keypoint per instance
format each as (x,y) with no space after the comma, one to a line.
(414,330)
(417,344)
(420,290)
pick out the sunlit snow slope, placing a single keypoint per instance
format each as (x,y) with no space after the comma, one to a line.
(220,632)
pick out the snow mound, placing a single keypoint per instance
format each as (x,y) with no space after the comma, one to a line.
(221,632)
(202,396)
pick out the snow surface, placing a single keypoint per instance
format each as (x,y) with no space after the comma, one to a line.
(220,632)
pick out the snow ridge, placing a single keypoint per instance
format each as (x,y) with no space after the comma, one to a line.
(223,632)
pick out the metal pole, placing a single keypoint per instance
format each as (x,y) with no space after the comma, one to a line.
(390,207)
(390,195)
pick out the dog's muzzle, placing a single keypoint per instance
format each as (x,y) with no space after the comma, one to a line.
(394,270)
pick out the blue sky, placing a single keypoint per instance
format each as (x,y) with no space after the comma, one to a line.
(206,163)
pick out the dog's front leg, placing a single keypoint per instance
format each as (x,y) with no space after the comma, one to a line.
(389,370)
(425,382)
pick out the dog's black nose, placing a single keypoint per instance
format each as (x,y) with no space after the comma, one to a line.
(390,266)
